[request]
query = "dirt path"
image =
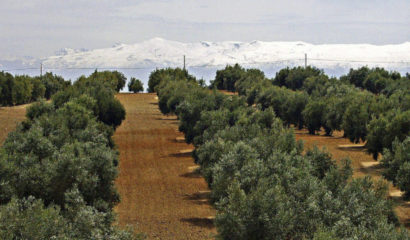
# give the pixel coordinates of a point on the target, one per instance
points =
(362, 163)
(160, 192)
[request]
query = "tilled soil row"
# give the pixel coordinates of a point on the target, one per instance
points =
(161, 193)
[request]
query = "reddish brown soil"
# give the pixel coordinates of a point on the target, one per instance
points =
(161, 195)
(9, 118)
(359, 159)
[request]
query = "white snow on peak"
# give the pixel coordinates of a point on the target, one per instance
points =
(159, 52)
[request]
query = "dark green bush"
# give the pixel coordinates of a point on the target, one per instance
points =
(135, 85)
(396, 162)
(225, 79)
(16, 90)
(295, 78)
(383, 130)
(171, 74)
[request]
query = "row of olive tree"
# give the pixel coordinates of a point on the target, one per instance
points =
(320, 102)
(377, 80)
(262, 185)
(16, 90)
(57, 169)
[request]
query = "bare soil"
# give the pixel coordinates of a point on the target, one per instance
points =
(162, 195)
(9, 118)
(363, 164)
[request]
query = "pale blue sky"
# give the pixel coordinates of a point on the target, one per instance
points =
(40, 27)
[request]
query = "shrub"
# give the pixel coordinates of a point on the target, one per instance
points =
(225, 79)
(313, 116)
(357, 116)
(170, 74)
(114, 79)
(396, 162)
(53, 84)
(135, 85)
(294, 78)
(321, 161)
(58, 151)
(383, 130)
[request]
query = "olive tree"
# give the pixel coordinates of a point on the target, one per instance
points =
(135, 85)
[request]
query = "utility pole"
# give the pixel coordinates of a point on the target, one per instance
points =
(41, 69)
(305, 60)
(184, 62)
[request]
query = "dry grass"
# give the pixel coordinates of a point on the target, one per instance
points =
(161, 190)
(226, 92)
(362, 163)
(9, 118)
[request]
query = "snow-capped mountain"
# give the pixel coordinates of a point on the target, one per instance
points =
(158, 52)
(204, 58)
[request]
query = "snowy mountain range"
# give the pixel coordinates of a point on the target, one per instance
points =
(335, 59)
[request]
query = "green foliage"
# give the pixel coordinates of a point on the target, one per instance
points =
(382, 131)
(16, 90)
(53, 84)
(59, 150)
(21, 91)
(250, 78)
(171, 94)
(357, 116)
(135, 85)
(316, 85)
(334, 111)
(313, 116)
(38, 90)
(321, 161)
(170, 74)
(376, 80)
(236, 78)
(6, 83)
(225, 79)
(57, 169)
(29, 219)
(396, 162)
(295, 78)
(262, 185)
(107, 108)
(39, 108)
(114, 79)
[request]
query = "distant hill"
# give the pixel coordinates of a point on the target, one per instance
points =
(335, 59)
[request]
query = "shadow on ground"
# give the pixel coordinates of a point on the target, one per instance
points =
(201, 222)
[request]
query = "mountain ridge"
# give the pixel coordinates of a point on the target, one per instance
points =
(158, 53)
(161, 52)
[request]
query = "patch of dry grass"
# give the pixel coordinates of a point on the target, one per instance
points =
(9, 118)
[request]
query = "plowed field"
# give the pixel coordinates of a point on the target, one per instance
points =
(161, 194)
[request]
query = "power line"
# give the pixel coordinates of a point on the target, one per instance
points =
(216, 65)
